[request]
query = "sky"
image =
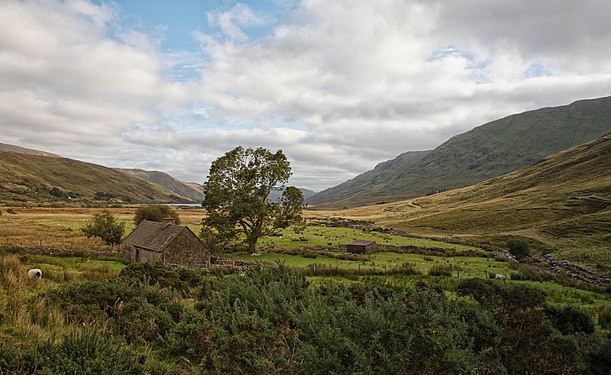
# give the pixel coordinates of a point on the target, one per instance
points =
(338, 85)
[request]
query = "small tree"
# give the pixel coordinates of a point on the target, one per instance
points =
(518, 247)
(237, 192)
(155, 212)
(104, 226)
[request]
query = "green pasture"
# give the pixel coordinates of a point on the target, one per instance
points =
(61, 269)
(69, 269)
(336, 237)
(466, 266)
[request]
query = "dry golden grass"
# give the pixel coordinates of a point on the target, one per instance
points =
(60, 228)
(17, 306)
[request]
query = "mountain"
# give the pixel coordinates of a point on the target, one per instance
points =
(27, 151)
(188, 190)
(276, 194)
(487, 151)
(26, 177)
(372, 184)
(562, 204)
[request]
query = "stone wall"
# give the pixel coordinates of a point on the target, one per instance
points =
(187, 250)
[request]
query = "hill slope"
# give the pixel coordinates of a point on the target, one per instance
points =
(25, 177)
(370, 186)
(27, 151)
(168, 182)
(487, 151)
(562, 203)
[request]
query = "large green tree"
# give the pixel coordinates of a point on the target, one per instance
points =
(236, 196)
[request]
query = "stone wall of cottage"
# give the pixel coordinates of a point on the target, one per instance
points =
(138, 255)
(187, 250)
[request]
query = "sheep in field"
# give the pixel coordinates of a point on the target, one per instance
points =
(498, 276)
(34, 273)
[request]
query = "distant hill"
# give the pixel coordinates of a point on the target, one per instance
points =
(276, 194)
(369, 186)
(27, 151)
(25, 177)
(562, 203)
(485, 152)
(188, 190)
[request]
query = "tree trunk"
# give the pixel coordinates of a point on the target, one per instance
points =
(252, 246)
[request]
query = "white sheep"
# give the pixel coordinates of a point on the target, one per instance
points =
(498, 276)
(34, 273)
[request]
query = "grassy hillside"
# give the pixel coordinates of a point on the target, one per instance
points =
(25, 178)
(561, 204)
(168, 182)
(28, 151)
(485, 152)
(369, 186)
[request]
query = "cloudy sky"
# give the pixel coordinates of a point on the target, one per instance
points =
(338, 85)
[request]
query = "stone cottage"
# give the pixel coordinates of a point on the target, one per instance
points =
(361, 247)
(165, 242)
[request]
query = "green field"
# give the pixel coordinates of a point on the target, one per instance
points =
(467, 266)
(338, 237)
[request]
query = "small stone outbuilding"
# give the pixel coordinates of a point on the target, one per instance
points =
(361, 247)
(154, 242)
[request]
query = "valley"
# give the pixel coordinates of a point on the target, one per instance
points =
(444, 252)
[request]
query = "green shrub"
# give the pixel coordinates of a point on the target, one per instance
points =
(604, 317)
(104, 226)
(181, 280)
(600, 360)
(569, 319)
(84, 352)
(155, 212)
(518, 247)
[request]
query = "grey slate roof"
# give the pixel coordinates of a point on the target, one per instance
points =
(152, 235)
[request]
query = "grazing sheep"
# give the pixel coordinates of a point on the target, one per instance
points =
(498, 276)
(34, 273)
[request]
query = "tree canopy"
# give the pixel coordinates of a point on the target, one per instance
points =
(155, 212)
(104, 226)
(236, 196)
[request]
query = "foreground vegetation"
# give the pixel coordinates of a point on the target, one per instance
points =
(420, 306)
(277, 320)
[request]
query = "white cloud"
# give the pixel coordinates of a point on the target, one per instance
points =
(65, 83)
(232, 22)
(339, 86)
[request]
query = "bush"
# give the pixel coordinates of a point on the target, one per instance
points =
(104, 226)
(179, 279)
(569, 320)
(604, 317)
(155, 212)
(600, 360)
(518, 247)
(85, 352)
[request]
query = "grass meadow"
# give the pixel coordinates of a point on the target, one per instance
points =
(59, 229)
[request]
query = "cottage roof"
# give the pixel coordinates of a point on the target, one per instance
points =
(152, 235)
